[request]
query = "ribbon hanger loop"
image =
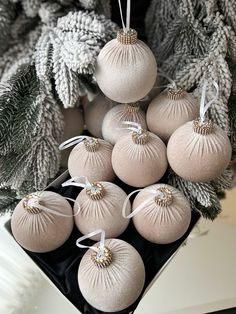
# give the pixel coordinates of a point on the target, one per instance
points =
(81, 181)
(73, 141)
(100, 248)
(126, 27)
(133, 126)
(154, 193)
(204, 107)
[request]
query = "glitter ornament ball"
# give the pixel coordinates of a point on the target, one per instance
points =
(165, 217)
(126, 68)
(74, 125)
(92, 159)
(112, 127)
(139, 158)
(101, 207)
(94, 113)
(115, 283)
(169, 110)
(199, 152)
(38, 230)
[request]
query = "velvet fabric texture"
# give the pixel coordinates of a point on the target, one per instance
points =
(105, 213)
(126, 73)
(112, 127)
(73, 126)
(117, 286)
(96, 166)
(61, 265)
(166, 114)
(139, 165)
(196, 157)
(43, 232)
(94, 113)
(162, 224)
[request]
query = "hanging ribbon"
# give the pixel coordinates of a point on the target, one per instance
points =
(204, 107)
(133, 126)
(163, 74)
(73, 141)
(35, 202)
(81, 182)
(126, 27)
(143, 204)
(100, 248)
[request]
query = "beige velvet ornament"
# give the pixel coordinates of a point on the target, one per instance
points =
(199, 152)
(94, 113)
(91, 158)
(113, 128)
(42, 221)
(113, 281)
(161, 213)
(100, 206)
(126, 68)
(139, 158)
(73, 125)
(169, 110)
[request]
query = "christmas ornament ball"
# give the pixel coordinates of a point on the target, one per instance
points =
(165, 217)
(38, 230)
(139, 158)
(126, 68)
(169, 110)
(116, 286)
(113, 128)
(92, 159)
(101, 207)
(94, 113)
(199, 152)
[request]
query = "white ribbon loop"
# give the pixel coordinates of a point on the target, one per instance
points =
(133, 126)
(81, 182)
(100, 248)
(73, 141)
(126, 27)
(204, 107)
(163, 74)
(35, 202)
(153, 192)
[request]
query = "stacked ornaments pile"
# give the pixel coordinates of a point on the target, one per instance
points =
(130, 145)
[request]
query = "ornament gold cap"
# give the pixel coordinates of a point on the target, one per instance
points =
(96, 192)
(127, 38)
(175, 93)
(132, 107)
(167, 198)
(102, 259)
(91, 144)
(30, 209)
(140, 137)
(203, 128)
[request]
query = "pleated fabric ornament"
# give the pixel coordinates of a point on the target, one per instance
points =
(199, 150)
(91, 157)
(139, 158)
(160, 212)
(74, 125)
(95, 112)
(126, 68)
(42, 221)
(169, 110)
(113, 128)
(111, 274)
(100, 206)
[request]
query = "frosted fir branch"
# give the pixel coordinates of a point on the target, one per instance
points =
(88, 4)
(228, 8)
(223, 182)
(7, 12)
(69, 50)
(31, 7)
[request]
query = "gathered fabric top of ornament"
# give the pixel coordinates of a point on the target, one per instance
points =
(54, 55)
